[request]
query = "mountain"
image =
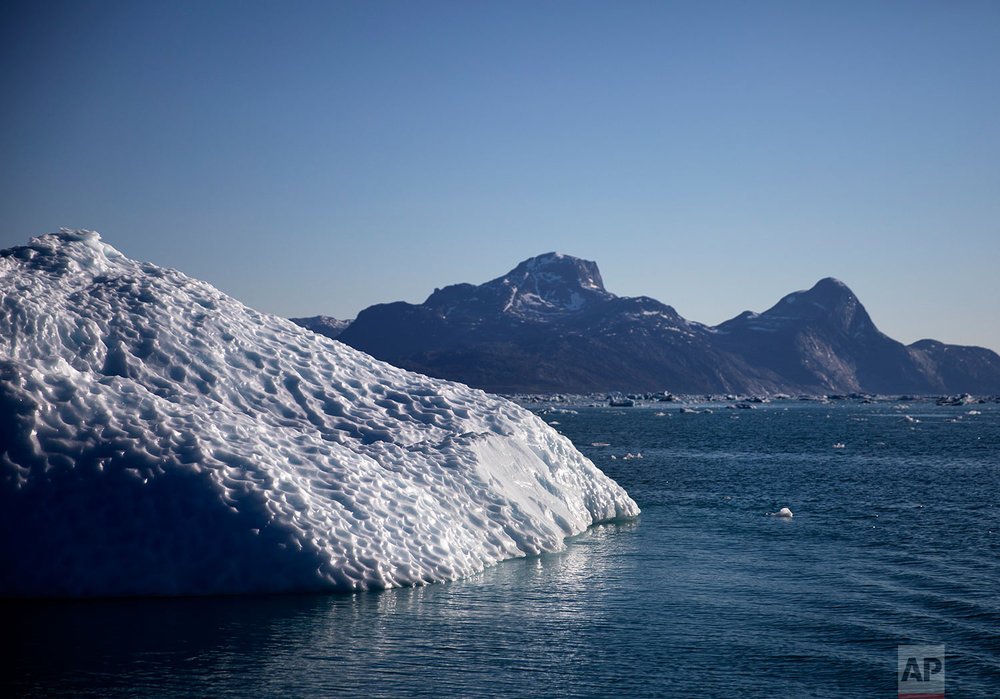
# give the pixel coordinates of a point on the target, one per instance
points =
(823, 340)
(157, 437)
(547, 325)
(324, 325)
(550, 325)
(957, 369)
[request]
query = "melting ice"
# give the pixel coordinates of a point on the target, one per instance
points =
(158, 437)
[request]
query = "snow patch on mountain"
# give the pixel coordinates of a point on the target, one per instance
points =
(158, 437)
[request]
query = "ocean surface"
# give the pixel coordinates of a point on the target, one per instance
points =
(895, 539)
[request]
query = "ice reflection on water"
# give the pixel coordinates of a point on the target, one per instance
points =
(502, 631)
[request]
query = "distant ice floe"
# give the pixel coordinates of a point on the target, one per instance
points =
(158, 437)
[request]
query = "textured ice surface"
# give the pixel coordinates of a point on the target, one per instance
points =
(158, 437)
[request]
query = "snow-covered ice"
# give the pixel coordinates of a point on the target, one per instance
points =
(158, 437)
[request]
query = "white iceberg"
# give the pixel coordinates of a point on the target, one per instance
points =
(158, 437)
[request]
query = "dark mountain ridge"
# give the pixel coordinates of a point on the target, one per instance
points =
(823, 340)
(549, 325)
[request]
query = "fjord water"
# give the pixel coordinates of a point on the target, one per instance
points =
(895, 540)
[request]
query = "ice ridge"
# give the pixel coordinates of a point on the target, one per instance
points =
(158, 437)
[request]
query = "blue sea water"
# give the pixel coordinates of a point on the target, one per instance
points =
(895, 540)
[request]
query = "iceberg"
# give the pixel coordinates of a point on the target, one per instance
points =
(158, 437)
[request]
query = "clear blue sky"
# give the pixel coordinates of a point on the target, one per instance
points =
(320, 157)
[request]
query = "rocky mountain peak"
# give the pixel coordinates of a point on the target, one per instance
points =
(550, 283)
(554, 269)
(829, 301)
